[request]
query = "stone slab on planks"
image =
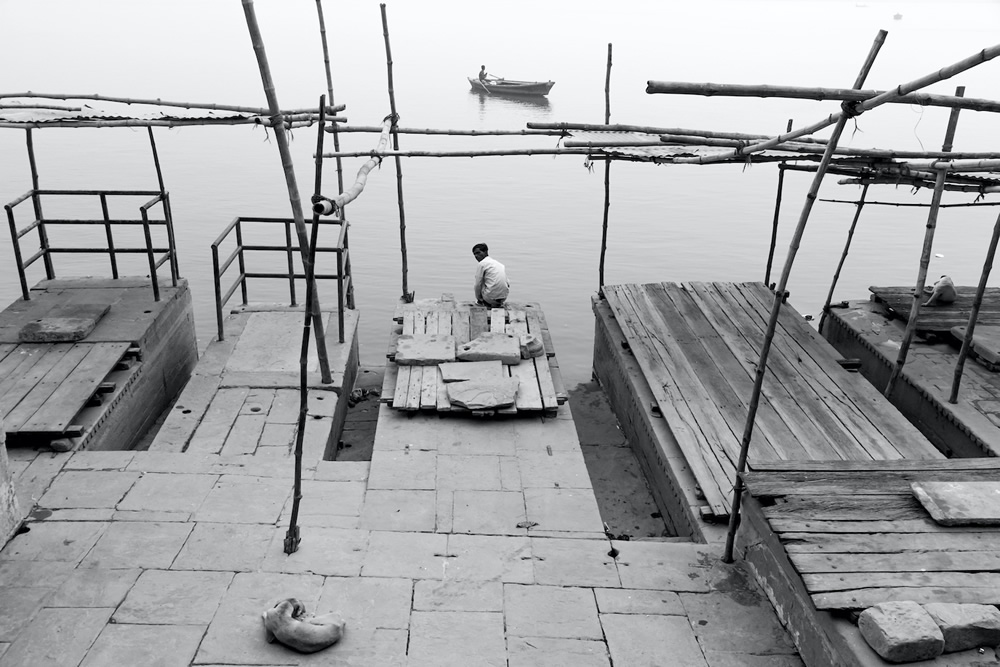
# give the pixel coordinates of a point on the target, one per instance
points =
(486, 395)
(901, 631)
(960, 503)
(490, 346)
(531, 346)
(425, 349)
(985, 344)
(66, 324)
(479, 371)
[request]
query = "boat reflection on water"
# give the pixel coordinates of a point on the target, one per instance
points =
(511, 101)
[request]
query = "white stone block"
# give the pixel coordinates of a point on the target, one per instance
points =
(901, 632)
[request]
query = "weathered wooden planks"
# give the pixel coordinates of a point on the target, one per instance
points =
(939, 319)
(698, 344)
(857, 536)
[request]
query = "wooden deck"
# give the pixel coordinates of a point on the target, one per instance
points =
(422, 387)
(842, 536)
(969, 428)
(243, 397)
(898, 301)
(697, 345)
(64, 393)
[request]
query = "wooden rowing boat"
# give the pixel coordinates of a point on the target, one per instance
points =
(512, 87)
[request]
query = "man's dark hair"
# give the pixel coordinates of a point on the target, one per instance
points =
(481, 246)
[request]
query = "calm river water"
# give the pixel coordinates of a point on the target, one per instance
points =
(540, 215)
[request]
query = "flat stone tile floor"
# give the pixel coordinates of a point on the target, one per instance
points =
(463, 542)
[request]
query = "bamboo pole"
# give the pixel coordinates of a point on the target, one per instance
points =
(974, 315)
(407, 294)
(777, 211)
(293, 189)
(843, 257)
(489, 153)
(856, 108)
(36, 202)
(779, 295)
(164, 122)
(34, 107)
(292, 536)
(646, 129)
(455, 132)
(336, 147)
(165, 103)
(925, 259)
(918, 183)
(796, 92)
(607, 178)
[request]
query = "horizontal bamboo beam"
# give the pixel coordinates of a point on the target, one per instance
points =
(956, 188)
(165, 103)
(418, 130)
(956, 165)
(496, 153)
(791, 147)
(646, 129)
(898, 174)
(47, 107)
(266, 121)
(796, 92)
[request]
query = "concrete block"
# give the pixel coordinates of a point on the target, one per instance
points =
(965, 626)
(67, 324)
(491, 346)
(425, 349)
(901, 631)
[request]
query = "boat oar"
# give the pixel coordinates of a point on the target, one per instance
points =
(484, 87)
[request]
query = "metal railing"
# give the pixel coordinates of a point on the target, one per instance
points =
(156, 256)
(238, 256)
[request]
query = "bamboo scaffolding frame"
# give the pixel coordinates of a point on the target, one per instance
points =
(293, 189)
(796, 92)
(164, 103)
(607, 179)
(857, 108)
(974, 314)
(407, 295)
(779, 295)
(925, 260)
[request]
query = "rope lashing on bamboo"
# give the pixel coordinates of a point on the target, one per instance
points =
(851, 108)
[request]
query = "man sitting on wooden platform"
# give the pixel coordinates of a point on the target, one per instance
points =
(491, 285)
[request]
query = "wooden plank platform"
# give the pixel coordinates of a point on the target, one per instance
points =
(101, 390)
(835, 537)
(968, 428)
(422, 387)
(697, 345)
(939, 319)
(243, 397)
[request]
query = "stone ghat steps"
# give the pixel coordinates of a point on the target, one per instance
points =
(412, 388)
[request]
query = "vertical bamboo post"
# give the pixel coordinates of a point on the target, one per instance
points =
(777, 212)
(974, 315)
(843, 258)
(293, 188)
(925, 255)
(36, 202)
(607, 176)
(779, 295)
(407, 295)
(292, 537)
(336, 147)
(167, 213)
